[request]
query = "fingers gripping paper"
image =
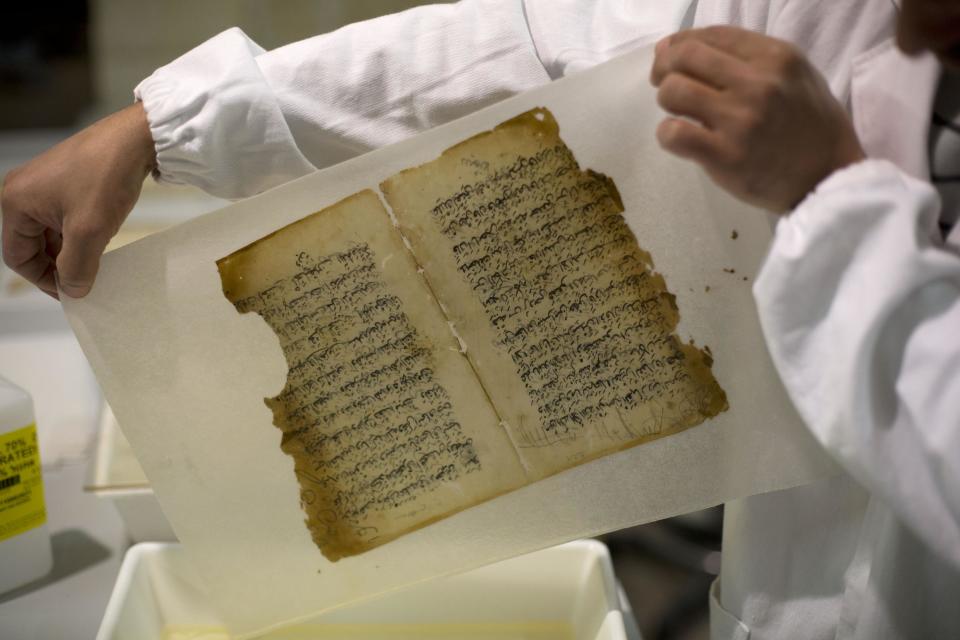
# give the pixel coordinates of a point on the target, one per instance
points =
(510, 350)
(569, 350)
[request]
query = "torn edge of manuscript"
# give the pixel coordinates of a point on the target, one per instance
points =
(502, 327)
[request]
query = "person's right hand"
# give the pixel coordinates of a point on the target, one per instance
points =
(754, 112)
(61, 208)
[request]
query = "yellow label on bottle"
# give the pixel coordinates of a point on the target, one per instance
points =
(21, 483)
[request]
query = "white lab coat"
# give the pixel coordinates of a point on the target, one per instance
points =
(859, 302)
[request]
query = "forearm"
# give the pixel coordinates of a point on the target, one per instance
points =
(861, 311)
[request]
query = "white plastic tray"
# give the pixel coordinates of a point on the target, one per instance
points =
(572, 584)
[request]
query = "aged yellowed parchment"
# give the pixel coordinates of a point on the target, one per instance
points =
(510, 329)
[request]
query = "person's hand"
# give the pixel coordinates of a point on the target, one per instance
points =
(753, 112)
(61, 208)
(933, 25)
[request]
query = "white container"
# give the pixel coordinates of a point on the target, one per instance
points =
(570, 587)
(115, 475)
(25, 553)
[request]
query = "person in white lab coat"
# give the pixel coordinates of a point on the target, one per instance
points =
(859, 297)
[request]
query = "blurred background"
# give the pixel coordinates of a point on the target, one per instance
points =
(64, 65)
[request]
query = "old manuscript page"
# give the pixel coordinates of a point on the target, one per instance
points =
(381, 412)
(570, 329)
(566, 329)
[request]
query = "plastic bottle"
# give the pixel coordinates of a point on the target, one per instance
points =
(25, 552)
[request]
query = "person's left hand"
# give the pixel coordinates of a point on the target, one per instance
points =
(753, 112)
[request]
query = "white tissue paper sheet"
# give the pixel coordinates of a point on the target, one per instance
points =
(186, 374)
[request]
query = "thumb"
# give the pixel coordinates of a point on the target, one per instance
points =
(79, 259)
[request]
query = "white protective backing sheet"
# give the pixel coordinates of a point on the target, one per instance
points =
(186, 374)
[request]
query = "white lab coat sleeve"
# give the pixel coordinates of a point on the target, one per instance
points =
(234, 119)
(572, 35)
(860, 307)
